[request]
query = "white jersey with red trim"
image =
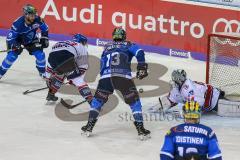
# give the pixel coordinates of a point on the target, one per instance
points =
(206, 95)
(77, 49)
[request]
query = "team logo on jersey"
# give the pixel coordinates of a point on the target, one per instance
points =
(176, 129)
(35, 25)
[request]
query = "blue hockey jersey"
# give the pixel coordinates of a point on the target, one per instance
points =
(24, 34)
(190, 138)
(116, 59)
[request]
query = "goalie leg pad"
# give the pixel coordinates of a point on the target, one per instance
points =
(228, 108)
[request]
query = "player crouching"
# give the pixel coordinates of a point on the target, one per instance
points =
(191, 140)
(182, 88)
(68, 60)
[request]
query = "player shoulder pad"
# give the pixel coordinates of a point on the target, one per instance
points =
(38, 19)
(18, 23)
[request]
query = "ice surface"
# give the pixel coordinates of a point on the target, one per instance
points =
(31, 130)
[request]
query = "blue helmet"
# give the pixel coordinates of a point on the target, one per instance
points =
(80, 38)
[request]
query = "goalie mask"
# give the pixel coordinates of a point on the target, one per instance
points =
(179, 76)
(192, 110)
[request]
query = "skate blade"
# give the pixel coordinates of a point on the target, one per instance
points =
(49, 103)
(86, 134)
(144, 137)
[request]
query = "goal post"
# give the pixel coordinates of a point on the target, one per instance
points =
(223, 62)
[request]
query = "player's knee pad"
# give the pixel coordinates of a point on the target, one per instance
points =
(55, 82)
(131, 97)
(40, 60)
(96, 104)
(102, 95)
(85, 92)
(9, 60)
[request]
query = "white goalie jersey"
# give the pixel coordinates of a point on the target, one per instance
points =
(77, 49)
(206, 95)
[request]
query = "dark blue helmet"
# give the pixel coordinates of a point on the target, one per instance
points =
(119, 34)
(80, 38)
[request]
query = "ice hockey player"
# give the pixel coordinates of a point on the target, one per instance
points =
(191, 140)
(68, 60)
(182, 88)
(23, 34)
(115, 73)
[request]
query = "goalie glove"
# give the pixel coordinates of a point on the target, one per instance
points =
(142, 70)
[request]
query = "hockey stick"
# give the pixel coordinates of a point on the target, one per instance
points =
(166, 111)
(7, 50)
(35, 90)
(160, 102)
(2, 51)
(68, 106)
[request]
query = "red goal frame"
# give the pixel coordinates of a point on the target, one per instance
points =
(209, 49)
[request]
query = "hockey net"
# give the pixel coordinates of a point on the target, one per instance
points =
(223, 63)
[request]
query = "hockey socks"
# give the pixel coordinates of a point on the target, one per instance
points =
(40, 62)
(137, 111)
(7, 62)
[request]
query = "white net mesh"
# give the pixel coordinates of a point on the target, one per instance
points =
(224, 63)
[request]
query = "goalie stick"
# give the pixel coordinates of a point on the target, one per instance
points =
(68, 106)
(167, 110)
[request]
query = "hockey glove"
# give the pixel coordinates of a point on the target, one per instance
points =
(17, 48)
(142, 70)
(44, 42)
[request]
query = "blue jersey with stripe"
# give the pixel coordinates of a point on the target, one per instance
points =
(116, 59)
(23, 33)
(190, 138)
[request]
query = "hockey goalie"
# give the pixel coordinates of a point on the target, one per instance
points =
(209, 98)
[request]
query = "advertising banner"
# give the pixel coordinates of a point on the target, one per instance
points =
(234, 3)
(165, 27)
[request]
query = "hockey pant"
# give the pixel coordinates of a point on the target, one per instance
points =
(55, 81)
(128, 90)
